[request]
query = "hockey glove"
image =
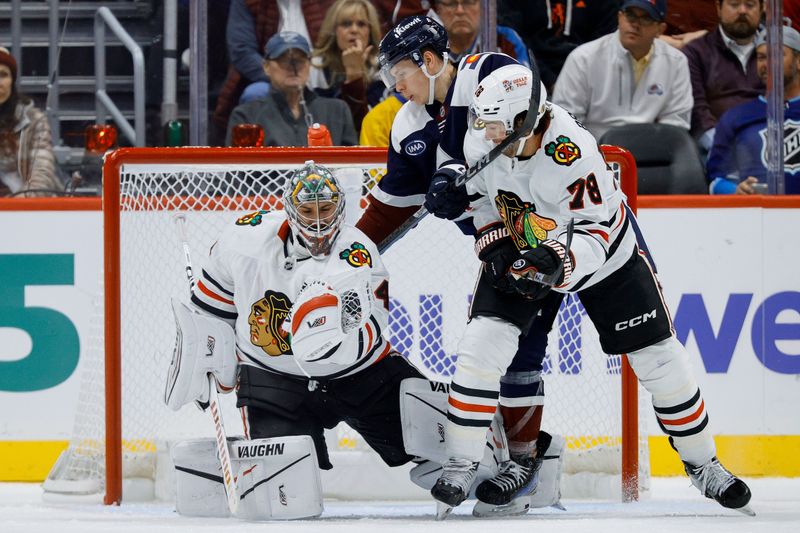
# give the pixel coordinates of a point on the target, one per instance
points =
(445, 199)
(496, 249)
(545, 259)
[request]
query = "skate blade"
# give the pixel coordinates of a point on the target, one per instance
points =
(746, 510)
(442, 511)
(558, 505)
(517, 507)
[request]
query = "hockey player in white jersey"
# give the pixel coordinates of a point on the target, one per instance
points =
(414, 59)
(555, 174)
(307, 298)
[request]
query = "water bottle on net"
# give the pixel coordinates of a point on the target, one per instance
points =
(318, 135)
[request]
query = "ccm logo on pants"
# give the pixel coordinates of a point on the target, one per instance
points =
(635, 321)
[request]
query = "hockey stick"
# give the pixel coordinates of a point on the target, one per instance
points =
(213, 399)
(483, 162)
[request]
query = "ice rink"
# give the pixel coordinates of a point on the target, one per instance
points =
(673, 506)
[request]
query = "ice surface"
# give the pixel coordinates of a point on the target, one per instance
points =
(673, 506)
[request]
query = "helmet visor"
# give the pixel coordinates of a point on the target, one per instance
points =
(491, 130)
(400, 71)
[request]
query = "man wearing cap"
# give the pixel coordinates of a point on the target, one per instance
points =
(290, 107)
(722, 66)
(629, 76)
(738, 159)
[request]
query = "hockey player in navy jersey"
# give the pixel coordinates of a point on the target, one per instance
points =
(554, 176)
(414, 59)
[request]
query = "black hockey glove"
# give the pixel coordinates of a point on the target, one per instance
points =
(445, 199)
(497, 251)
(545, 259)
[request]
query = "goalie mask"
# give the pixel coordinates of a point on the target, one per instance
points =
(499, 98)
(314, 204)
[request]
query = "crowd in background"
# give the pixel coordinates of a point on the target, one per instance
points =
(297, 63)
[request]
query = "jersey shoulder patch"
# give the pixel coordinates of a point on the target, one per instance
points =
(411, 119)
(252, 219)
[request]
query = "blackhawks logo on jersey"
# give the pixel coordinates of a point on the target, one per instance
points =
(357, 255)
(251, 219)
(563, 150)
(520, 219)
(266, 323)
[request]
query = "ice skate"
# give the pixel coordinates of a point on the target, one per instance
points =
(715, 482)
(453, 485)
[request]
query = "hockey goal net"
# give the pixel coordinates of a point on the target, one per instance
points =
(123, 430)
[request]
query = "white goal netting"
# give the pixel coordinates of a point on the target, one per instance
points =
(432, 275)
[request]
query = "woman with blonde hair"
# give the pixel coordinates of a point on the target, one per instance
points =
(345, 57)
(27, 164)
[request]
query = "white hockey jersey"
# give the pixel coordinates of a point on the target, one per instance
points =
(567, 178)
(253, 275)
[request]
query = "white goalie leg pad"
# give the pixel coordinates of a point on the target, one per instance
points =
(423, 411)
(199, 489)
(548, 492)
(203, 345)
(664, 370)
(278, 478)
(484, 352)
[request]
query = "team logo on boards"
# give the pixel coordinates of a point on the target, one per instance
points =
(791, 146)
(563, 150)
(251, 219)
(526, 228)
(266, 323)
(356, 256)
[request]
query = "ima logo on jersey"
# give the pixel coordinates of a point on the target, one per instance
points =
(266, 323)
(357, 255)
(251, 219)
(563, 150)
(523, 224)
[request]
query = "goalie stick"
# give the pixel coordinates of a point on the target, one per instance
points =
(213, 398)
(483, 162)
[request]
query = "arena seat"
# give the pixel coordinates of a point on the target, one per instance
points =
(667, 158)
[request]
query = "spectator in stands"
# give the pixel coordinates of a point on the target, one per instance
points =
(629, 76)
(377, 126)
(345, 58)
(250, 24)
(738, 158)
(554, 28)
(393, 11)
(688, 20)
(462, 20)
(290, 107)
(723, 66)
(27, 164)
(791, 13)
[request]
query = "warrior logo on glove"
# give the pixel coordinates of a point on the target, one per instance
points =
(526, 227)
(266, 323)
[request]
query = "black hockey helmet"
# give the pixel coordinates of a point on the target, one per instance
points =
(406, 41)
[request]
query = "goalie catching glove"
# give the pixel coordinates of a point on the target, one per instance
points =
(203, 345)
(545, 259)
(326, 316)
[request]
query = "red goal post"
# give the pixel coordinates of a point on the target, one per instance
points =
(114, 201)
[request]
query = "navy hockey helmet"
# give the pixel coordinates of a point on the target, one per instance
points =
(406, 41)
